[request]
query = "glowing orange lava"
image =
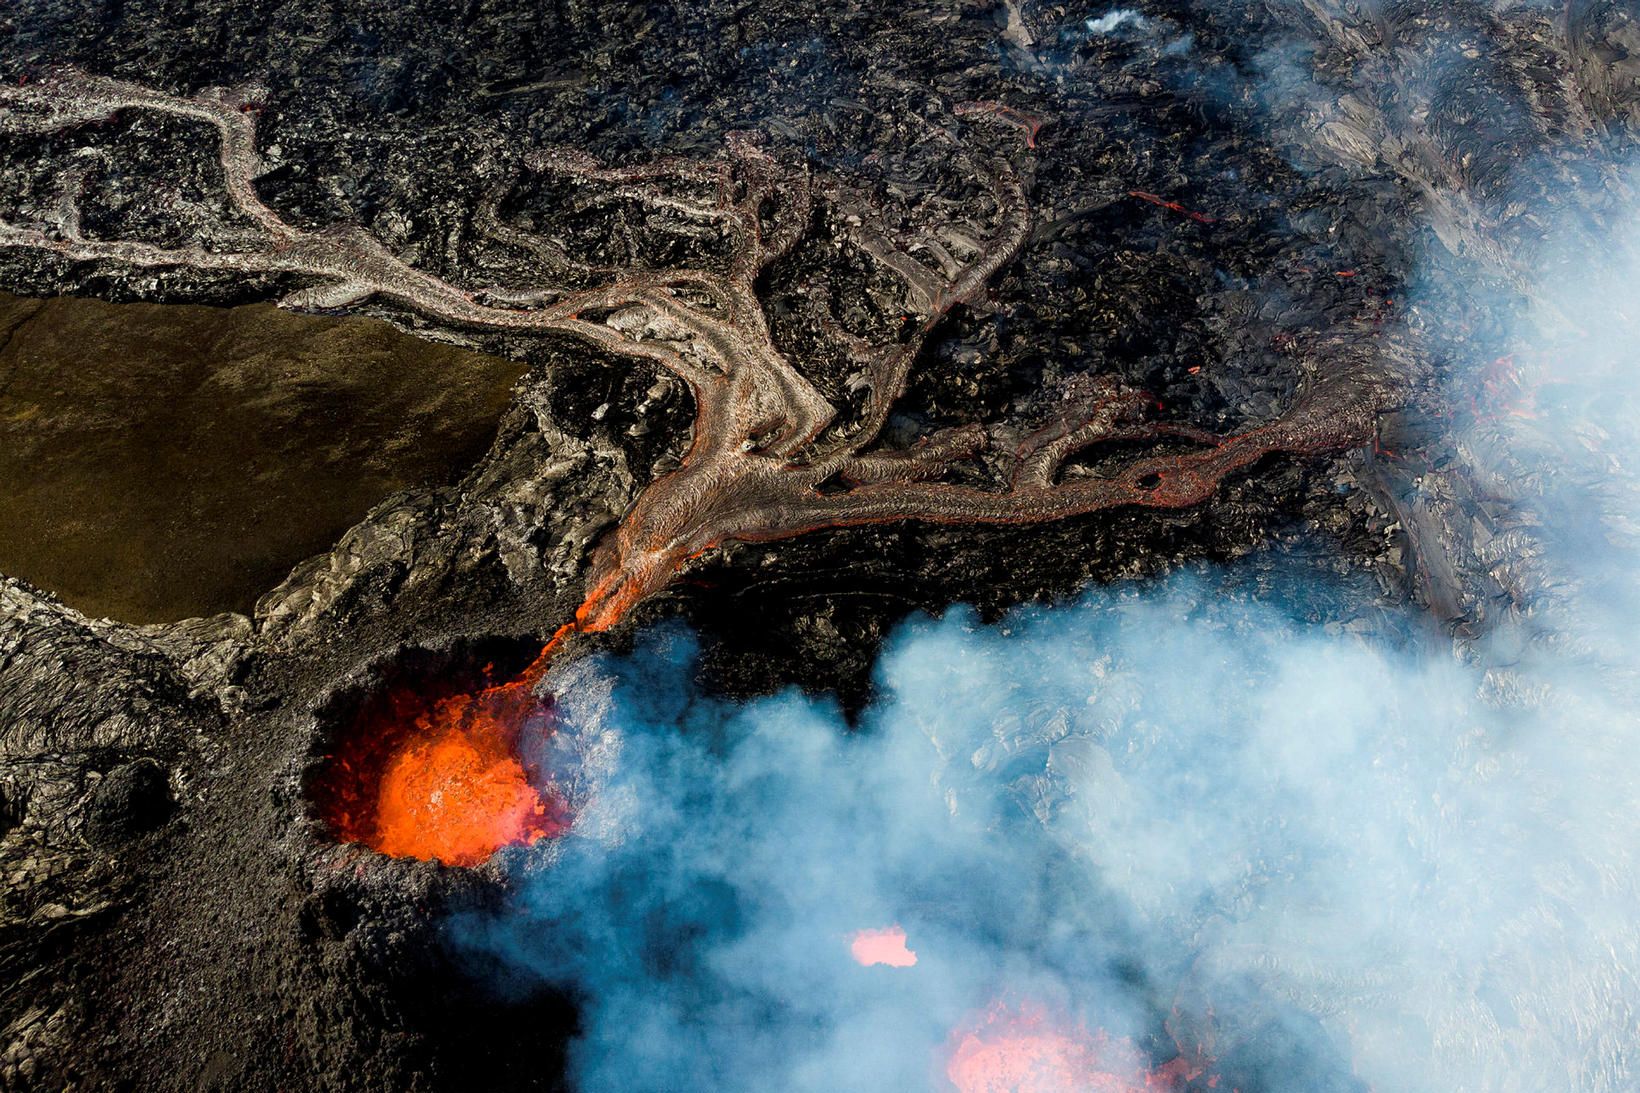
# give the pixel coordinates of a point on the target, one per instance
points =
(1024, 1050)
(436, 775)
(456, 791)
(458, 798)
(431, 769)
(885, 946)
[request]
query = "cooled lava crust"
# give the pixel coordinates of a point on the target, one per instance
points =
(205, 931)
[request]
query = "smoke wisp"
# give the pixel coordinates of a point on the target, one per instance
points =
(1369, 865)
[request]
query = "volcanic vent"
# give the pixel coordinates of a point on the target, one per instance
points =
(425, 757)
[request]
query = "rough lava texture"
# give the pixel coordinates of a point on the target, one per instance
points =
(1231, 199)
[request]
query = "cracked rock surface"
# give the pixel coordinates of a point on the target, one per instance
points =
(170, 917)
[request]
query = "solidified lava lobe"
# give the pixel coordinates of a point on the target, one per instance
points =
(428, 765)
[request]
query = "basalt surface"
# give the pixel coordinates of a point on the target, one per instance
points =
(1230, 199)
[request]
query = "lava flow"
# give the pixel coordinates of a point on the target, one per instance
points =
(1025, 1050)
(460, 793)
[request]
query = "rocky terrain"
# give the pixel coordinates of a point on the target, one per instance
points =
(1231, 203)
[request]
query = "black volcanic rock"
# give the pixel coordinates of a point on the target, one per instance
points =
(181, 922)
(130, 800)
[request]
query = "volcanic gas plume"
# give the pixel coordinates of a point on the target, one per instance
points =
(1181, 806)
(1023, 1049)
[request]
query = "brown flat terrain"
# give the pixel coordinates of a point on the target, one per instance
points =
(161, 461)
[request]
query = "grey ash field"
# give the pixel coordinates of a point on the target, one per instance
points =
(788, 321)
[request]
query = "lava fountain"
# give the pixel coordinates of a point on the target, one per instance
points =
(429, 766)
(1024, 1049)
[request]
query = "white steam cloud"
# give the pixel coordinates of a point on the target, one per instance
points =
(1359, 860)
(1115, 19)
(1148, 799)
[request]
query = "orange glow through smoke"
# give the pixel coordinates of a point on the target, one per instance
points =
(1024, 1050)
(885, 946)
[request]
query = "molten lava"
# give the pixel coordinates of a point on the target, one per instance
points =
(1174, 206)
(457, 792)
(432, 769)
(885, 946)
(459, 796)
(1024, 1050)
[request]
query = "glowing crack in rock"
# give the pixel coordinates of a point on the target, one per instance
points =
(885, 946)
(1024, 1050)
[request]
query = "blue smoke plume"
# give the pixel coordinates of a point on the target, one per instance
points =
(1147, 798)
(1303, 835)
